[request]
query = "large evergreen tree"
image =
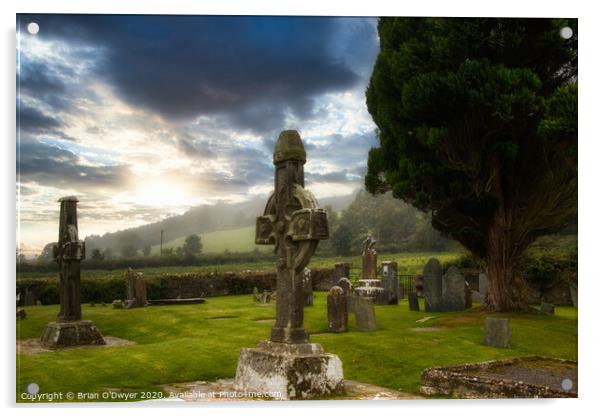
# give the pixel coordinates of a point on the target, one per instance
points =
(477, 122)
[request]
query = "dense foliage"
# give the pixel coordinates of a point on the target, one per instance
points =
(477, 122)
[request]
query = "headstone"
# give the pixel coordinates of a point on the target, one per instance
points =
(419, 285)
(340, 270)
(390, 281)
(140, 290)
(413, 302)
(476, 296)
(574, 292)
(308, 294)
(117, 304)
(547, 308)
(70, 329)
(30, 299)
(369, 258)
(256, 295)
(497, 333)
(347, 287)
(365, 316)
(130, 284)
(337, 310)
(288, 364)
(483, 284)
(38, 303)
(432, 285)
(21, 314)
(468, 296)
(453, 291)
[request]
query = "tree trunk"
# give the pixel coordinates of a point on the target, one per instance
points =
(507, 288)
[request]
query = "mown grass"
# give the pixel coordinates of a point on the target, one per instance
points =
(186, 343)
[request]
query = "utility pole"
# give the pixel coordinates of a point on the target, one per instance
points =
(161, 245)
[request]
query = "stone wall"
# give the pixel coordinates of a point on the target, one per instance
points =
(167, 286)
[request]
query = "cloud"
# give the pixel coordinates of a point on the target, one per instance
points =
(52, 165)
(253, 69)
(32, 120)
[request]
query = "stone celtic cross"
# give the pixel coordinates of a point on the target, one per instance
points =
(294, 224)
(68, 253)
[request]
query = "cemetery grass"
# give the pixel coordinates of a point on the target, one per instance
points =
(202, 342)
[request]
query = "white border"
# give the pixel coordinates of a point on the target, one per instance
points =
(589, 212)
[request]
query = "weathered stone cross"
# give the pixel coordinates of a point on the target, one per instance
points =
(68, 253)
(292, 222)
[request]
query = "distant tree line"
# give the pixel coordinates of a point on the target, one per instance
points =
(396, 225)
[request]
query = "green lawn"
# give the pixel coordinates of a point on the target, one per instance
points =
(187, 343)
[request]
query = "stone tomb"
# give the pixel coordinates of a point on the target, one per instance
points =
(369, 285)
(70, 330)
(337, 310)
(288, 363)
(523, 377)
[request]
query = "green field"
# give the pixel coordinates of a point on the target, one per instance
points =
(202, 342)
(239, 240)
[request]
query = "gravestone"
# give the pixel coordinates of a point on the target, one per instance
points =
(347, 287)
(432, 285)
(337, 310)
(340, 270)
(69, 329)
(468, 296)
(369, 258)
(365, 316)
(453, 291)
(256, 295)
(141, 299)
(130, 284)
(308, 294)
(574, 293)
(497, 332)
(483, 284)
(288, 364)
(547, 308)
(118, 304)
(413, 301)
(390, 281)
(21, 314)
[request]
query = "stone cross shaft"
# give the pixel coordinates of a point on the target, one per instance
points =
(68, 253)
(294, 224)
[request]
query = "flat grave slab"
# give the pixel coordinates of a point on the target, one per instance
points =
(524, 377)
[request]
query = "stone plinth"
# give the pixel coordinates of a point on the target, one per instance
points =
(71, 334)
(295, 371)
(372, 288)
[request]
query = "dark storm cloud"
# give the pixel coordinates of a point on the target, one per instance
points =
(54, 166)
(252, 69)
(32, 120)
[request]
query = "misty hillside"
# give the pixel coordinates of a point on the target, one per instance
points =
(201, 219)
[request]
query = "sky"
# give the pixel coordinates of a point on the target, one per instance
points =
(143, 117)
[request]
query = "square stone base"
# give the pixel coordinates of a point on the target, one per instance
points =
(293, 371)
(71, 334)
